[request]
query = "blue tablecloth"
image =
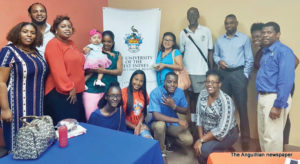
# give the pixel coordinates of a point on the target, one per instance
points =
(100, 145)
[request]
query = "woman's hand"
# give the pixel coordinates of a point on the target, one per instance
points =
(100, 70)
(6, 115)
(159, 66)
(110, 53)
(197, 147)
(72, 96)
(137, 129)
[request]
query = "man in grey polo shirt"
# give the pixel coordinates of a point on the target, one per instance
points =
(194, 62)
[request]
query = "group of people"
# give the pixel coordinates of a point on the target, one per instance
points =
(213, 95)
(42, 72)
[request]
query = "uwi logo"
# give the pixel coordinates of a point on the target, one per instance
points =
(133, 40)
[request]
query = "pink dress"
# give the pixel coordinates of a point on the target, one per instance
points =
(96, 58)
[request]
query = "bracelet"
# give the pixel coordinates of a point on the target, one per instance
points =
(174, 108)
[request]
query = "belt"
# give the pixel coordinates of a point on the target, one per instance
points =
(265, 93)
(233, 69)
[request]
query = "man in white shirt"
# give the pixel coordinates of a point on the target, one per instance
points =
(194, 62)
(38, 15)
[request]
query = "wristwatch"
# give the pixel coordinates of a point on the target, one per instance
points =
(201, 140)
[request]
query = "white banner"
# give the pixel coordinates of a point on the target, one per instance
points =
(136, 37)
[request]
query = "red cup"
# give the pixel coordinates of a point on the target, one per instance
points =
(63, 136)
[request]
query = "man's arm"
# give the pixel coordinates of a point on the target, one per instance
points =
(210, 59)
(210, 50)
(248, 58)
(161, 117)
(296, 61)
(286, 77)
(182, 42)
(216, 55)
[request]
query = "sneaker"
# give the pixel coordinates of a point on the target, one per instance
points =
(170, 147)
(165, 158)
(99, 82)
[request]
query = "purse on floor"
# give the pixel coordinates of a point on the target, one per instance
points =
(34, 137)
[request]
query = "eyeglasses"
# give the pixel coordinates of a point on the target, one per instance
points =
(211, 82)
(115, 97)
(166, 40)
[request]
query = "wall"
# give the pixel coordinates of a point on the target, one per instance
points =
(84, 16)
(212, 14)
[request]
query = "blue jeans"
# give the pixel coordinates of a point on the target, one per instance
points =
(218, 146)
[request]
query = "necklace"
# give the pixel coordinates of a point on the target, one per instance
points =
(165, 53)
(28, 51)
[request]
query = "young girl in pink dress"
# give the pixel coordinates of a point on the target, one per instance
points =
(95, 58)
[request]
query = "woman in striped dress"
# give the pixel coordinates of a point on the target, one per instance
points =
(22, 75)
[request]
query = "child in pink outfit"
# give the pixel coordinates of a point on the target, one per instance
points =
(95, 58)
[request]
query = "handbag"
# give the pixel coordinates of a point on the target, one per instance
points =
(184, 81)
(34, 138)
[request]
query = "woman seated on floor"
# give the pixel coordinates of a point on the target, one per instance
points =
(217, 127)
(135, 101)
(109, 113)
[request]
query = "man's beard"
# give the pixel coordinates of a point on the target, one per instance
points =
(39, 23)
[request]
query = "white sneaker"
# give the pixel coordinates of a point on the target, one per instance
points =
(99, 82)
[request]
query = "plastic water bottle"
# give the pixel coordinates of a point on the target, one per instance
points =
(63, 136)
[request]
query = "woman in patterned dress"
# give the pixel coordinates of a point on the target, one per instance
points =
(22, 75)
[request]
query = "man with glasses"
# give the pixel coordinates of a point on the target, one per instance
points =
(233, 54)
(165, 102)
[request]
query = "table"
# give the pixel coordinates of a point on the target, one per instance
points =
(100, 145)
(251, 157)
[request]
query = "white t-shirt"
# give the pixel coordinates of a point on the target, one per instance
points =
(48, 35)
(192, 59)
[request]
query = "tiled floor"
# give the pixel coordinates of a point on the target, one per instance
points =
(180, 156)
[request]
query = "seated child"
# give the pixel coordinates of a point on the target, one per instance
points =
(135, 101)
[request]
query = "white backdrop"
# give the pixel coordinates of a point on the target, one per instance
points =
(136, 37)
